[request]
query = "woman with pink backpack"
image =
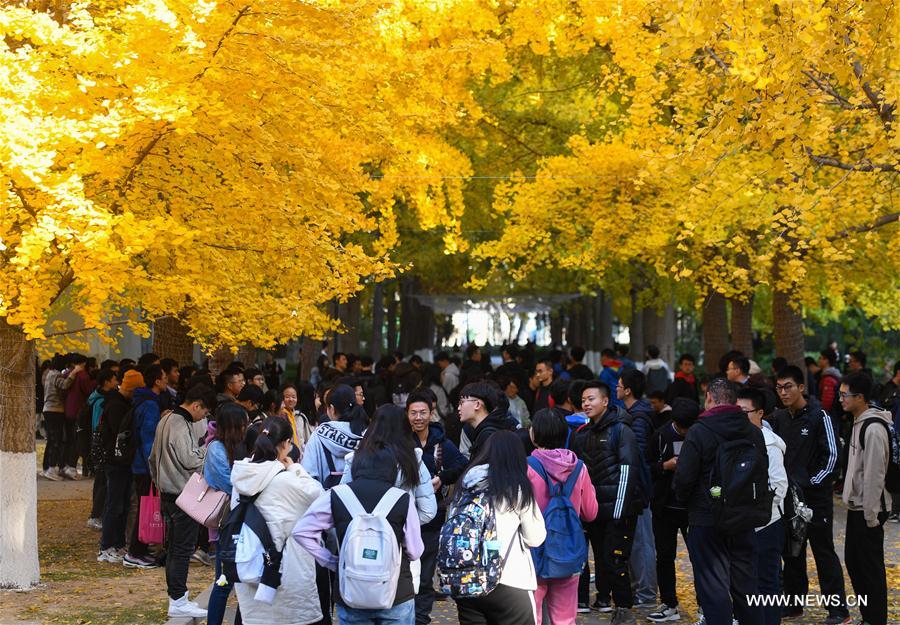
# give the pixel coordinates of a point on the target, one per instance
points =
(566, 497)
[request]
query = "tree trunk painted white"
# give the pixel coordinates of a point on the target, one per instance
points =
(19, 567)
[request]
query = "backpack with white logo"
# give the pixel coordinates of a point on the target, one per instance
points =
(892, 476)
(369, 565)
(469, 547)
(564, 551)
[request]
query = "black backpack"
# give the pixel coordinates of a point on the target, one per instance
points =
(245, 524)
(126, 445)
(892, 477)
(739, 486)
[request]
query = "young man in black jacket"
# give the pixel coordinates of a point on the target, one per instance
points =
(811, 462)
(669, 516)
(725, 566)
(609, 450)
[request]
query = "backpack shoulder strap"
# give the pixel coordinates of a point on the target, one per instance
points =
(349, 499)
(535, 464)
(572, 480)
(388, 501)
(865, 425)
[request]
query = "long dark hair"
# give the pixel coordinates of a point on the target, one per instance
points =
(343, 399)
(271, 402)
(306, 401)
(508, 485)
(390, 431)
(274, 432)
(231, 425)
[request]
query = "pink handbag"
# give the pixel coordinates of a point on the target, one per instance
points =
(151, 526)
(201, 502)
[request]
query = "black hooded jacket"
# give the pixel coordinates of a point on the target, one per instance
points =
(698, 453)
(609, 450)
(497, 419)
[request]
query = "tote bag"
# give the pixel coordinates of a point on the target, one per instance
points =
(151, 527)
(203, 503)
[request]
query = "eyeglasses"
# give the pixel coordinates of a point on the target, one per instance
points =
(752, 411)
(844, 395)
(468, 399)
(784, 387)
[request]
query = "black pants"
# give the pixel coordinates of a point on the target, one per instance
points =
(504, 605)
(425, 598)
(61, 450)
(769, 547)
(323, 587)
(83, 443)
(181, 533)
(828, 567)
(135, 547)
(98, 497)
(666, 524)
(611, 543)
(864, 555)
(725, 574)
(118, 502)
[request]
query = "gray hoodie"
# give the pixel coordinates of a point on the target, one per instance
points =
(866, 469)
(334, 438)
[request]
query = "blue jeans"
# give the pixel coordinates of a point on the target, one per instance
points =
(218, 598)
(402, 614)
(643, 560)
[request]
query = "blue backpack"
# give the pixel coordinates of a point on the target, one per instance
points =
(564, 551)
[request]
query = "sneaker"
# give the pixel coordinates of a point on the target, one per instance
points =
(837, 619)
(894, 518)
(701, 620)
(202, 557)
(604, 607)
(109, 555)
(94, 524)
(664, 613)
(52, 474)
(184, 608)
(134, 562)
(623, 616)
(583, 608)
(71, 473)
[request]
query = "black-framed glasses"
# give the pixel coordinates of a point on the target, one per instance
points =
(784, 387)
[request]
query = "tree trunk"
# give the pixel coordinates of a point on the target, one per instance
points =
(19, 566)
(651, 321)
(349, 312)
(665, 335)
(377, 346)
(556, 327)
(636, 342)
(742, 326)
(715, 332)
(789, 340)
(219, 360)
(391, 317)
(309, 353)
(247, 355)
(171, 340)
(602, 322)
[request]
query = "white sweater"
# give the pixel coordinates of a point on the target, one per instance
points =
(524, 526)
(778, 480)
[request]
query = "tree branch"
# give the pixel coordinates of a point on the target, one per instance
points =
(65, 332)
(882, 221)
(715, 57)
(221, 42)
(861, 165)
(885, 109)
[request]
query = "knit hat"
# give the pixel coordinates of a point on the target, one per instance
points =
(130, 381)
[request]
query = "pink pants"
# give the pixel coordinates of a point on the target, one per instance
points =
(561, 596)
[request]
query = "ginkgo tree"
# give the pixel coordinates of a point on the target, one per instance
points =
(753, 143)
(210, 161)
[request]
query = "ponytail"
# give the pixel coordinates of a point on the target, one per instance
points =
(273, 432)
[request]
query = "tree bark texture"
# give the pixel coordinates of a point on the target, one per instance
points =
(789, 339)
(636, 343)
(742, 326)
(390, 291)
(171, 340)
(715, 332)
(416, 320)
(19, 566)
(602, 322)
(376, 345)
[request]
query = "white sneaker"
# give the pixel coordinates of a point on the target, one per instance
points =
(71, 473)
(664, 613)
(109, 555)
(183, 607)
(94, 524)
(52, 474)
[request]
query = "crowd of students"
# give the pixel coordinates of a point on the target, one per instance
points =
(373, 477)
